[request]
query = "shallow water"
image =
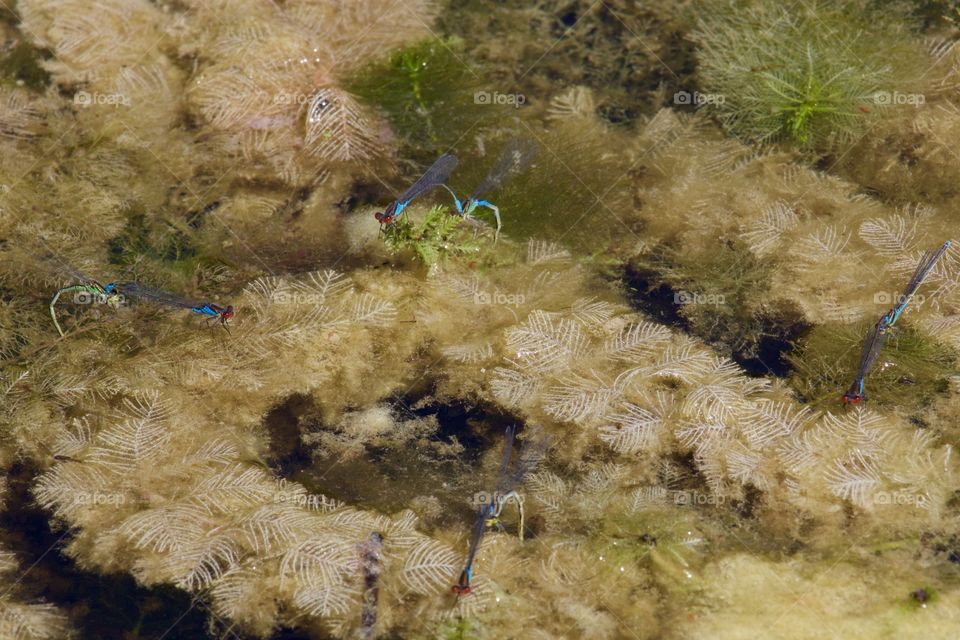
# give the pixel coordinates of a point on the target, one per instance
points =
(677, 300)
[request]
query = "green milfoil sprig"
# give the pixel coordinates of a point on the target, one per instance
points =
(812, 75)
(436, 237)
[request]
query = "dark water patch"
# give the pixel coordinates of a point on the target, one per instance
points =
(722, 298)
(101, 606)
(362, 194)
(104, 607)
(650, 295)
(433, 457)
(288, 455)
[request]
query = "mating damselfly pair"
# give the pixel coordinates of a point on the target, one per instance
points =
(87, 290)
(880, 331)
(509, 476)
(515, 158)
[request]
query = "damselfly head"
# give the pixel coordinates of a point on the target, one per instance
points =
(460, 590)
(383, 218)
(227, 313)
(852, 398)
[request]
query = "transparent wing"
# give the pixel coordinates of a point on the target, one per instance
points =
(927, 261)
(437, 174)
(515, 158)
(143, 292)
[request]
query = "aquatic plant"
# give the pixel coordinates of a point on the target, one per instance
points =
(436, 236)
(429, 93)
(811, 74)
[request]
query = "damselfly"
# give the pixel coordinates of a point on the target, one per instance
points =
(436, 175)
(86, 290)
(874, 340)
(516, 156)
(509, 478)
(209, 310)
(871, 351)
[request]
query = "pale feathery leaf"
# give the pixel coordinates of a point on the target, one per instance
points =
(469, 353)
(542, 252)
(575, 102)
(766, 422)
(338, 129)
(69, 488)
(514, 388)
(319, 563)
(368, 309)
(745, 465)
(579, 399)
(429, 567)
(722, 391)
(603, 479)
(544, 343)
(273, 525)
(135, 441)
(74, 439)
(234, 487)
(637, 340)
(854, 478)
(32, 621)
(322, 285)
(686, 362)
(200, 562)
(777, 219)
(593, 312)
(549, 489)
(824, 244)
(892, 236)
(167, 529)
(699, 435)
(633, 430)
(649, 498)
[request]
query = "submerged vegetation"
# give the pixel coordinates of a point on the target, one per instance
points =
(674, 304)
(812, 75)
